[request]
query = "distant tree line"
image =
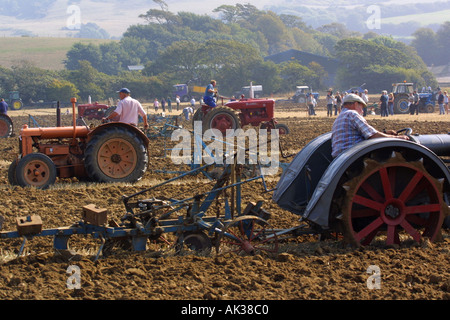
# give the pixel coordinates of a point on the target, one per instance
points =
(176, 48)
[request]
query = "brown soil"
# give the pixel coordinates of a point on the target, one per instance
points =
(304, 269)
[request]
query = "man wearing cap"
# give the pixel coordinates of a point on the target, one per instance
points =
(350, 127)
(210, 92)
(128, 109)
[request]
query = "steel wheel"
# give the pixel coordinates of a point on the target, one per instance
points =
(36, 170)
(248, 235)
(395, 197)
(196, 241)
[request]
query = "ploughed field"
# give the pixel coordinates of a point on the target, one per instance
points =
(305, 267)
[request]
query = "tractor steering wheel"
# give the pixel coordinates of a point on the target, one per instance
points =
(407, 131)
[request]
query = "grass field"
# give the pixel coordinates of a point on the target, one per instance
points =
(45, 53)
(438, 17)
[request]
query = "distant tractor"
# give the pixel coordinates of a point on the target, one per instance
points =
(239, 113)
(402, 93)
(301, 94)
(111, 152)
(187, 92)
(14, 101)
(94, 110)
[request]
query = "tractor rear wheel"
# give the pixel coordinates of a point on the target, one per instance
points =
(397, 198)
(221, 118)
(16, 105)
(116, 155)
(401, 105)
(12, 173)
(36, 170)
(6, 126)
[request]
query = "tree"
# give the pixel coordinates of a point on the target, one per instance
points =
(424, 39)
(61, 90)
(79, 51)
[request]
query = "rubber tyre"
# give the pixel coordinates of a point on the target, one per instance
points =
(12, 173)
(221, 118)
(116, 155)
(6, 126)
(401, 106)
(16, 105)
(284, 129)
(36, 170)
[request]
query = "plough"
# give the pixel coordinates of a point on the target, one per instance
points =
(157, 220)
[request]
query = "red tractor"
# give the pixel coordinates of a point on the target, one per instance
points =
(239, 113)
(93, 110)
(111, 152)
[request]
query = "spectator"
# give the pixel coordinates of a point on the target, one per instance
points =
(391, 104)
(415, 104)
(188, 111)
(311, 101)
(365, 97)
(337, 105)
(156, 105)
(192, 103)
(177, 100)
(169, 104)
(446, 102)
(384, 103)
(330, 103)
(441, 102)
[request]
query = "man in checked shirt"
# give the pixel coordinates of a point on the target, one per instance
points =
(350, 127)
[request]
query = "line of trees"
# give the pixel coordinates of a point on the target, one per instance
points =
(175, 48)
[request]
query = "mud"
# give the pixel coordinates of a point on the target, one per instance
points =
(305, 267)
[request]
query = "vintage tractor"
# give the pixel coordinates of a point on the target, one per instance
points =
(395, 188)
(301, 94)
(14, 101)
(111, 152)
(6, 126)
(402, 93)
(239, 113)
(94, 110)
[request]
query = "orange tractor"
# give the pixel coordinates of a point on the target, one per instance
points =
(111, 152)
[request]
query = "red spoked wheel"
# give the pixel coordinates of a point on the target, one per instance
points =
(249, 235)
(398, 199)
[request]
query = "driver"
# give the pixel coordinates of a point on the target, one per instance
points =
(350, 127)
(210, 92)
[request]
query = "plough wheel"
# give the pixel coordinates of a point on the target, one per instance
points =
(248, 235)
(196, 241)
(397, 198)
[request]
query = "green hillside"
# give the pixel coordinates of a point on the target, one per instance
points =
(45, 53)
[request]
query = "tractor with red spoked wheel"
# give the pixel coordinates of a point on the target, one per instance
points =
(6, 126)
(111, 152)
(239, 113)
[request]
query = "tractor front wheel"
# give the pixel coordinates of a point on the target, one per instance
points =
(35, 170)
(116, 155)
